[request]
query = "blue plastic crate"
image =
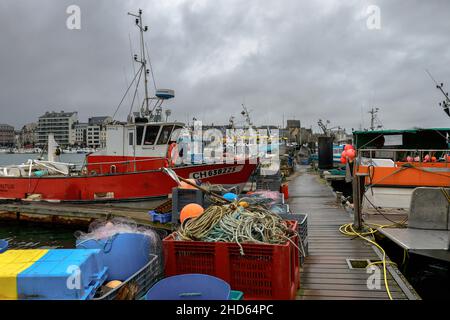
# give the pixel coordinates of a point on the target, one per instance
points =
(63, 274)
(123, 253)
(160, 217)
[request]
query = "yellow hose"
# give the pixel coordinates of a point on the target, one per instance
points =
(348, 230)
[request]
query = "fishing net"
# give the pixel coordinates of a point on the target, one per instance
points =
(104, 229)
(263, 198)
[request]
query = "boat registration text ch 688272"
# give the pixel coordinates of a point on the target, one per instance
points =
(215, 172)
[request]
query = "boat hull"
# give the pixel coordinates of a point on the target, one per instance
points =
(414, 175)
(119, 186)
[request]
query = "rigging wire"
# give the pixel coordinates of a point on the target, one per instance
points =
(126, 92)
(150, 65)
(136, 90)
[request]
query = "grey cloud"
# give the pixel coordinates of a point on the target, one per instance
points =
(302, 59)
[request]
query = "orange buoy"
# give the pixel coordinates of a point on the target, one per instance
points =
(349, 147)
(191, 210)
(244, 204)
(351, 153)
(113, 284)
(184, 185)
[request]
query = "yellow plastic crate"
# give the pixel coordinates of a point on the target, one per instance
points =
(13, 262)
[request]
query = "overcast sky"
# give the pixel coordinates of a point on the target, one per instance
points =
(283, 58)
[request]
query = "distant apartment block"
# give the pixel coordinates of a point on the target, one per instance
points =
(61, 124)
(81, 134)
(96, 131)
(7, 135)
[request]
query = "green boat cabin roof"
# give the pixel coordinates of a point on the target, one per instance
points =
(430, 138)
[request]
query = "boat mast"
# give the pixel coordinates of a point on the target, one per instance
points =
(245, 113)
(445, 104)
(373, 118)
(142, 60)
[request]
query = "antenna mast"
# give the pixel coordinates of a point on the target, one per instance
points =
(373, 118)
(246, 114)
(445, 104)
(142, 60)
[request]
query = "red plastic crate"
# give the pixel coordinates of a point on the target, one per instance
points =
(265, 271)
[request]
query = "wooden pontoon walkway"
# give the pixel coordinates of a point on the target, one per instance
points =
(75, 214)
(326, 273)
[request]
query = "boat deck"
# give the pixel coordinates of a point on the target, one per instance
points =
(326, 273)
(426, 242)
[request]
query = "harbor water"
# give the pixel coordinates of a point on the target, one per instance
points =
(26, 235)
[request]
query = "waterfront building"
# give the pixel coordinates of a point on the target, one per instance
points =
(61, 124)
(81, 134)
(96, 131)
(7, 135)
(28, 135)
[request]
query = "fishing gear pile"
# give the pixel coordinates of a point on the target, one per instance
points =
(238, 223)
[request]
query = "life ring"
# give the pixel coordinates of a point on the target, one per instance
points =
(172, 154)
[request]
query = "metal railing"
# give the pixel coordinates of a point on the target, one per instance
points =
(394, 154)
(133, 162)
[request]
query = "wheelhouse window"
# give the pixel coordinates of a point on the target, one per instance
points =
(130, 138)
(139, 134)
(151, 133)
(165, 134)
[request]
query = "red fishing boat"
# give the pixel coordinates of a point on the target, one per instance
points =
(129, 168)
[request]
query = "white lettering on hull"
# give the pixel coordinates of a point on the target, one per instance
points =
(215, 172)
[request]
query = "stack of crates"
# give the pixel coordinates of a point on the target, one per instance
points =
(51, 274)
(265, 271)
(269, 182)
(182, 197)
(302, 229)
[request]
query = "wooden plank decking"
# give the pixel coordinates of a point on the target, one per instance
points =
(326, 274)
(76, 214)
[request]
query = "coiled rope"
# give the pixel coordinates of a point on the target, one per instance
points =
(234, 223)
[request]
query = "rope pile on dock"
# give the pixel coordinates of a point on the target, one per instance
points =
(235, 223)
